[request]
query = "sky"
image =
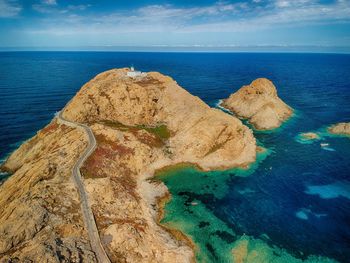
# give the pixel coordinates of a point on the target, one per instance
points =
(199, 24)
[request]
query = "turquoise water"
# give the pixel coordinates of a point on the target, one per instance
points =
(294, 203)
(283, 203)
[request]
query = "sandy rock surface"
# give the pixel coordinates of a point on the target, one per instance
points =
(342, 128)
(141, 124)
(40, 218)
(260, 104)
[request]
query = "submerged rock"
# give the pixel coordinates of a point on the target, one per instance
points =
(342, 128)
(140, 124)
(251, 250)
(259, 103)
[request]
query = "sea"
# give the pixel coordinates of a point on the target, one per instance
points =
(293, 204)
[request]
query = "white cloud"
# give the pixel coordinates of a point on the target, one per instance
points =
(49, 2)
(283, 3)
(167, 11)
(9, 9)
(219, 17)
(51, 7)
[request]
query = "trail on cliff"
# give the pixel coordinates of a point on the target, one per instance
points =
(88, 216)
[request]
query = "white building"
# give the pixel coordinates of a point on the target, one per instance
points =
(135, 73)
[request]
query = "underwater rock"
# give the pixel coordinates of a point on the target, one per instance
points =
(250, 250)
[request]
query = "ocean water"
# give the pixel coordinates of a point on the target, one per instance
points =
(293, 203)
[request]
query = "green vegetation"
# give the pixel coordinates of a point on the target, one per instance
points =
(117, 125)
(160, 131)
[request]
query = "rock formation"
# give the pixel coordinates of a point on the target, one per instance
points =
(310, 136)
(141, 124)
(40, 217)
(259, 103)
(342, 128)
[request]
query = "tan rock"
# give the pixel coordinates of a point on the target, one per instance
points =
(342, 128)
(140, 124)
(40, 216)
(259, 103)
(310, 136)
(198, 133)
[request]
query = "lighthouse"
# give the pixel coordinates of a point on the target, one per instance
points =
(135, 73)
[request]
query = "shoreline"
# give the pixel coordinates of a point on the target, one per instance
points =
(174, 233)
(246, 122)
(180, 236)
(162, 200)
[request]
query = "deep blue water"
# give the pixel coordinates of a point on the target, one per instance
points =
(299, 196)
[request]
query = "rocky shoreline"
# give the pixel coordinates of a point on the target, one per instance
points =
(141, 124)
(259, 103)
(342, 128)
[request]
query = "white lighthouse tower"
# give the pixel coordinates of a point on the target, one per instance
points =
(135, 73)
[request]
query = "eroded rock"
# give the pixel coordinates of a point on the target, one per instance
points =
(259, 103)
(140, 124)
(342, 128)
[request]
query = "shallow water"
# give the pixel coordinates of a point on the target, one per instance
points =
(298, 197)
(293, 203)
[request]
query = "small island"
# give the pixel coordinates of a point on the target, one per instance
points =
(342, 128)
(259, 103)
(310, 136)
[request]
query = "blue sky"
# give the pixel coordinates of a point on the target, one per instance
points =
(192, 23)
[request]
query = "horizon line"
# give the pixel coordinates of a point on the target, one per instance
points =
(188, 48)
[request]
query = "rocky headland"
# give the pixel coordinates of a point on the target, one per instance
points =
(141, 124)
(259, 103)
(342, 128)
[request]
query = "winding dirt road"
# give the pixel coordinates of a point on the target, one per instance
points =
(88, 216)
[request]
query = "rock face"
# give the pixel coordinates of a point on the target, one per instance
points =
(197, 133)
(141, 124)
(342, 128)
(40, 218)
(259, 103)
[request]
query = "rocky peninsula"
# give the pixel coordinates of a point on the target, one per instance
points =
(141, 124)
(259, 103)
(342, 128)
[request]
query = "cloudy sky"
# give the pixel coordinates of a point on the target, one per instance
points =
(196, 23)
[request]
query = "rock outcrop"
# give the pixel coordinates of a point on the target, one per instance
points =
(310, 136)
(196, 132)
(342, 128)
(259, 103)
(141, 124)
(40, 217)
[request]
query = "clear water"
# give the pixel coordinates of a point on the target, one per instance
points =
(295, 200)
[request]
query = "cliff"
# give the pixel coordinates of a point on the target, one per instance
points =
(260, 104)
(141, 124)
